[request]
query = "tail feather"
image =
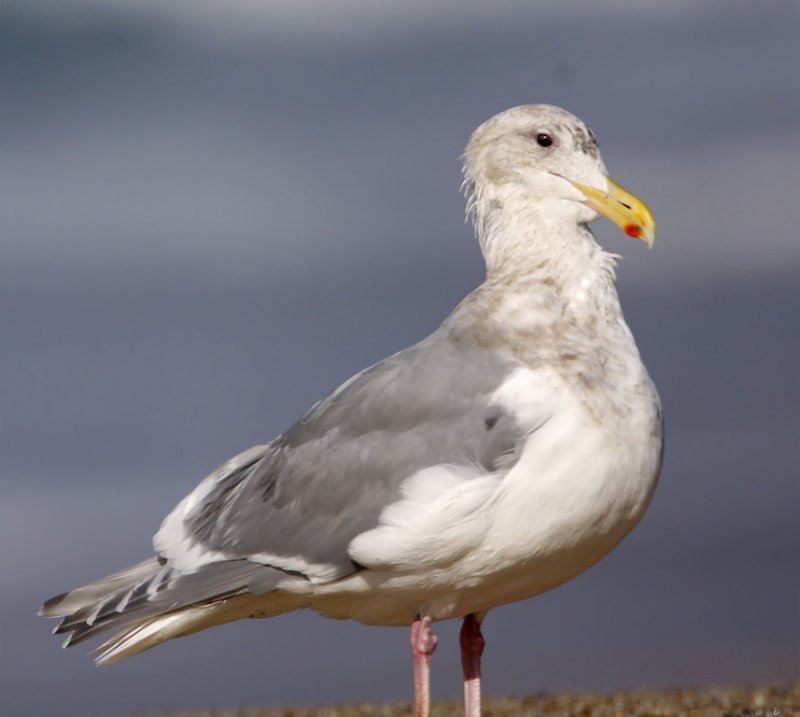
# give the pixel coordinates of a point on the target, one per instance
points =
(70, 602)
(116, 609)
(148, 633)
(150, 602)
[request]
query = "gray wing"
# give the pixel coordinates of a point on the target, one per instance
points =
(292, 507)
(296, 503)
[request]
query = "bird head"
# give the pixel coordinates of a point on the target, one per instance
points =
(549, 156)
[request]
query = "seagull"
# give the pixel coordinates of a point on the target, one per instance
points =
(492, 461)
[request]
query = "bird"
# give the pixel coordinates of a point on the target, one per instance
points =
(492, 461)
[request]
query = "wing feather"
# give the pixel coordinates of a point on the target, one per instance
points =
(297, 503)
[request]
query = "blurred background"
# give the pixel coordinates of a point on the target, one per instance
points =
(213, 213)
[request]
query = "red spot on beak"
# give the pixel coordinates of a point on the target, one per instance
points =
(633, 231)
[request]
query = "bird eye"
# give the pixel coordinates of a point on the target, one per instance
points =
(543, 139)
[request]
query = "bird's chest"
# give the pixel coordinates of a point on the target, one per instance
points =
(583, 480)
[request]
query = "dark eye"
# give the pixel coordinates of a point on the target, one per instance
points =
(543, 139)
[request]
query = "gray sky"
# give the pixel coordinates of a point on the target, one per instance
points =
(211, 219)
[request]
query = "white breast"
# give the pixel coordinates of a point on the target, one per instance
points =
(579, 487)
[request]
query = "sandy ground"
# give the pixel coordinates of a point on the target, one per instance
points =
(710, 702)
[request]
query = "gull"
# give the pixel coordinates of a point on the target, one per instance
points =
(492, 461)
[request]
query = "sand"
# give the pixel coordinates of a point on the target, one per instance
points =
(706, 702)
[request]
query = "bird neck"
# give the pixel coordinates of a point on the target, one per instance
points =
(537, 244)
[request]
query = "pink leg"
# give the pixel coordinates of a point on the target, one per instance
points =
(471, 650)
(423, 645)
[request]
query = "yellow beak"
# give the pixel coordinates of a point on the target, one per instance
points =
(622, 208)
